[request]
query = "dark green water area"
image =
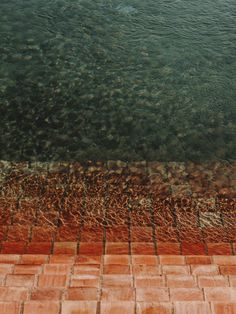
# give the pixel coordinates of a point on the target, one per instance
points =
(122, 79)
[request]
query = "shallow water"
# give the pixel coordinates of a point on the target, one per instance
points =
(128, 80)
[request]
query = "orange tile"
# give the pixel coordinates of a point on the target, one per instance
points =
(13, 247)
(82, 294)
(142, 248)
(20, 280)
(124, 307)
(46, 294)
(154, 308)
(192, 307)
(152, 294)
(58, 281)
(91, 234)
(193, 248)
(172, 259)
(144, 259)
(13, 294)
(117, 248)
(232, 281)
(88, 259)
(27, 269)
(180, 281)
(86, 269)
(56, 269)
(198, 259)
(141, 234)
(164, 248)
(89, 248)
(9, 258)
(222, 294)
(175, 270)
(223, 307)
(116, 259)
(6, 269)
(224, 260)
(139, 270)
(186, 294)
(65, 248)
(213, 281)
(83, 307)
(219, 249)
(40, 307)
(116, 269)
(205, 270)
(117, 281)
(228, 270)
(85, 281)
(117, 234)
(118, 294)
(150, 281)
(31, 259)
(39, 248)
(62, 259)
(10, 307)
(18, 233)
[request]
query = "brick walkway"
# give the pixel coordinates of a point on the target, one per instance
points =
(117, 238)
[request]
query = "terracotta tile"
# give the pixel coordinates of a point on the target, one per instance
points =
(13, 294)
(224, 260)
(186, 294)
(67, 233)
(212, 281)
(85, 281)
(166, 234)
(65, 248)
(46, 294)
(150, 281)
(27, 269)
(205, 270)
(118, 294)
(82, 294)
(215, 234)
(25, 214)
(190, 234)
(2, 280)
(117, 248)
(86, 248)
(117, 281)
(117, 234)
(39, 307)
(144, 260)
(193, 248)
(3, 233)
(91, 234)
(145, 270)
(228, 270)
(124, 307)
(163, 215)
(232, 281)
(13, 247)
(88, 259)
(39, 248)
(116, 259)
(62, 259)
(6, 269)
(219, 249)
(223, 307)
(198, 259)
(141, 234)
(222, 294)
(175, 270)
(30, 259)
(58, 281)
(181, 281)
(164, 248)
(152, 294)
(193, 307)
(172, 259)
(86, 269)
(142, 248)
(10, 307)
(56, 269)
(18, 233)
(9, 258)
(116, 269)
(20, 280)
(83, 307)
(154, 307)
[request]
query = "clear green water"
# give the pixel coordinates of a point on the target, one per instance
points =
(132, 79)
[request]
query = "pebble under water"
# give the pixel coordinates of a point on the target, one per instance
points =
(113, 79)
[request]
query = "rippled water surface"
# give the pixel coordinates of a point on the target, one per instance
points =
(132, 79)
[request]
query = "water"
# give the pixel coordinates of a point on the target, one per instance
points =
(131, 80)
